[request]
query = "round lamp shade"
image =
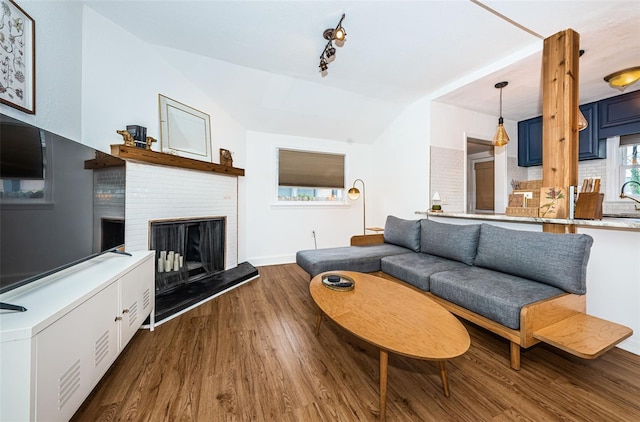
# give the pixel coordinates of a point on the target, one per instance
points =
(354, 193)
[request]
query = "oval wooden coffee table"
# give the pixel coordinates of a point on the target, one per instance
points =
(395, 318)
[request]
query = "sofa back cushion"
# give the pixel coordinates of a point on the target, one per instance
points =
(406, 233)
(559, 260)
(453, 241)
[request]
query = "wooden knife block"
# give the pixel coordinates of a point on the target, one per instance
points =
(589, 206)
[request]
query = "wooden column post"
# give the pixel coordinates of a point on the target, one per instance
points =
(560, 78)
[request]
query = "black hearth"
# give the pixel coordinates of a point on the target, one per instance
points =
(190, 263)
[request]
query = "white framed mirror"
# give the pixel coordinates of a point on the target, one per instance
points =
(184, 131)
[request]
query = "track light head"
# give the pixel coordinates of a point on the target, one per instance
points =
(337, 35)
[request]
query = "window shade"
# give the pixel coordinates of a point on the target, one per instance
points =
(630, 139)
(310, 169)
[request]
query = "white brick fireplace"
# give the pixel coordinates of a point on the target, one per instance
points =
(160, 192)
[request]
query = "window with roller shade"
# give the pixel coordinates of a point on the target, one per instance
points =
(306, 176)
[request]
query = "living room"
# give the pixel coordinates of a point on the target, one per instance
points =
(94, 77)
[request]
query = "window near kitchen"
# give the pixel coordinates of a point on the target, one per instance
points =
(629, 169)
(310, 177)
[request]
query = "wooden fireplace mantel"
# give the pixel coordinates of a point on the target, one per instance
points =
(153, 157)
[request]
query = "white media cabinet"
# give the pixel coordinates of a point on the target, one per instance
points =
(76, 324)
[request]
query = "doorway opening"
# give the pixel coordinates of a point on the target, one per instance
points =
(480, 176)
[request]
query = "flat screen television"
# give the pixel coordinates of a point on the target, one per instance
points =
(61, 203)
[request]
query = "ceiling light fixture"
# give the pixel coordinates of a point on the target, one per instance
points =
(337, 35)
(623, 78)
(501, 138)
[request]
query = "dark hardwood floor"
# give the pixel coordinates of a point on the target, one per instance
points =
(251, 355)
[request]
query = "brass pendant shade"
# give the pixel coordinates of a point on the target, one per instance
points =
(501, 138)
(582, 121)
(623, 78)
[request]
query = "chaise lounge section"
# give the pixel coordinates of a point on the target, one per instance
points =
(514, 283)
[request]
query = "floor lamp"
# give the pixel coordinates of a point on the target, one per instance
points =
(354, 194)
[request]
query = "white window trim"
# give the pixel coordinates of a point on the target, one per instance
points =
(613, 173)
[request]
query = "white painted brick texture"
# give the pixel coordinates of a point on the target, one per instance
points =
(160, 192)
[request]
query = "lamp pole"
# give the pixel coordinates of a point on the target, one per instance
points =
(354, 194)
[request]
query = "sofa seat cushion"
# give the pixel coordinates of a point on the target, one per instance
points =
(416, 268)
(364, 259)
(559, 260)
(494, 295)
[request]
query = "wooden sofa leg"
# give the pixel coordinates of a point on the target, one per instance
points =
(515, 356)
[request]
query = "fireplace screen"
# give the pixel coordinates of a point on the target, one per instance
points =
(187, 251)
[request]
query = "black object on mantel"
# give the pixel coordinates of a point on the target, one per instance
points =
(189, 294)
(139, 134)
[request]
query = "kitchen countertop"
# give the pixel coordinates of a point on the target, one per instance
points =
(606, 222)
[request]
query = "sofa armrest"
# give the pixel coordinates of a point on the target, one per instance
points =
(368, 239)
(547, 312)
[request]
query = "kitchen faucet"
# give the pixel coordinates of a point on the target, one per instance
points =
(622, 195)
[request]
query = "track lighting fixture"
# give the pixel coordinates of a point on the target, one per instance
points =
(337, 35)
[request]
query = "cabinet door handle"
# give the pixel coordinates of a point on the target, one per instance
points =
(118, 318)
(125, 311)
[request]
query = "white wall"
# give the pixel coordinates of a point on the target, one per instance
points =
(449, 131)
(400, 166)
(613, 275)
(58, 68)
(122, 77)
(118, 90)
(276, 232)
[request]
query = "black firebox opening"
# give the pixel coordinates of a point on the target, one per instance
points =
(112, 233)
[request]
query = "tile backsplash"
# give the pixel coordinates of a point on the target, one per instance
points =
(594, 168)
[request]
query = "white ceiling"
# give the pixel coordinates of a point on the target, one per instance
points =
(265, 55)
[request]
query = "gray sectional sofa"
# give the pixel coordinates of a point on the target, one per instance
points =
(509, 281)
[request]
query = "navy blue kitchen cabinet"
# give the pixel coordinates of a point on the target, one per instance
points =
(619, 115)
(530, 139)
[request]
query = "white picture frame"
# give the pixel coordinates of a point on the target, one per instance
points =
(184, 131)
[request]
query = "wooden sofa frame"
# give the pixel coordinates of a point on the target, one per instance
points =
(561, 321)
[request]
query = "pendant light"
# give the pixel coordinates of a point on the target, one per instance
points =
(501, 138)
(582, 121)
(623, 78)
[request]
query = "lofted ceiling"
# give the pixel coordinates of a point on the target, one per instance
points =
(265, 55)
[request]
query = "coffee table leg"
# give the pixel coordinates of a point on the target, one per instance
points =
(318, 321)
(443, 375)
(384, 358)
